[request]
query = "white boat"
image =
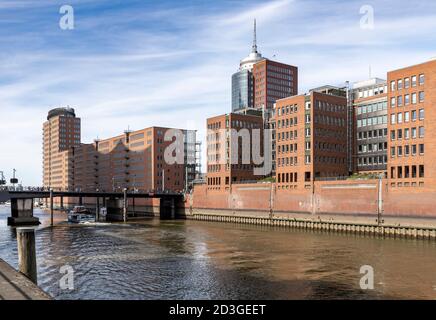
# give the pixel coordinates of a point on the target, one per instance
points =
(80, 215)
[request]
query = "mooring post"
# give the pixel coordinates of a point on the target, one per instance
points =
(97, 212)
(379, 200)
(125, 205)
(51, 207)
(27, 253)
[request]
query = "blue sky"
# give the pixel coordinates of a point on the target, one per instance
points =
(169, 63)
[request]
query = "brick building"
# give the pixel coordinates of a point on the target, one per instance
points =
(273, 81)
(133, 160)
(61, 131)
(311, 138)
(412, 126)
(223, 146)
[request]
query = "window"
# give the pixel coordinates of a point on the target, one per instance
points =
(400, 151)
(400, 134)
(400, 117)
(400, 84)
(308, 145)
(421, 171)
(392, 152)
(406, 133)
(407, 83)
(414, 98)
(392, 134)
(392, 85)
(421, 132)
(307, 132)
(421, 114)
(413, 133)
(413, 81)
(307, 159)
(406, 116)
(406, 150)
(421, 148)
(400, 101)
(421, 79)
(393, 100)
(421, 96)
(407, 99)
(400, 172)
(413, 171)
(413, 149)
(413, 115)
(393, 117)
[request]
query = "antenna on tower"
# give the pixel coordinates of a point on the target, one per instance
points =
(254, 48)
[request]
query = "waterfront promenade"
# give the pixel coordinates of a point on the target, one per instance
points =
(15, 286)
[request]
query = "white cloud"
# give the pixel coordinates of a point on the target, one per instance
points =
(178, 74)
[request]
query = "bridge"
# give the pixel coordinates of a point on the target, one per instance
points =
(22, 202)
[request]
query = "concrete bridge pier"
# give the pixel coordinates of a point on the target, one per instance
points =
(167, 208)
(22, 213)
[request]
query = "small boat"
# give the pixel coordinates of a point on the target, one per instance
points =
(80, 214)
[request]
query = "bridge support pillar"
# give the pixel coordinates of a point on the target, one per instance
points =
(167, 208)
(22, 213)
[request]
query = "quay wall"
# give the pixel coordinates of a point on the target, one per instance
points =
(355, 202)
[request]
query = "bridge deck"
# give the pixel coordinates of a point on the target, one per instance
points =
(15, 286)
(7, 195)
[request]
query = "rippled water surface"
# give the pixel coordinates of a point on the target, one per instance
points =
(201, 260)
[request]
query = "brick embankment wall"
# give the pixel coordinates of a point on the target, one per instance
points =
(349, 206)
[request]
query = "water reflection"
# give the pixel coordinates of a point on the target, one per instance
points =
(202, 260)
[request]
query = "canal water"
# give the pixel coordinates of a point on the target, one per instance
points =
(205, 260)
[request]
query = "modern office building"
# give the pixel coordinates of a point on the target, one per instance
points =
(311, 138)
(273, 81)
(260, 81)
(142, 159)
(412, 126)
(369, 100)
(229, 142)
(61, 132)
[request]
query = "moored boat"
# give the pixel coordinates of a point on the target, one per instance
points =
(80, 214)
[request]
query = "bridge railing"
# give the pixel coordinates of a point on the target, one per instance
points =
(117, 190)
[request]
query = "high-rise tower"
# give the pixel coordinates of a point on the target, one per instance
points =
(260, 81)
(61, 131)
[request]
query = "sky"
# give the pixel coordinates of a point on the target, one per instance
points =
(138, 63)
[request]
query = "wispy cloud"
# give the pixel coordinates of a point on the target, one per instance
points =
(169, 63)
